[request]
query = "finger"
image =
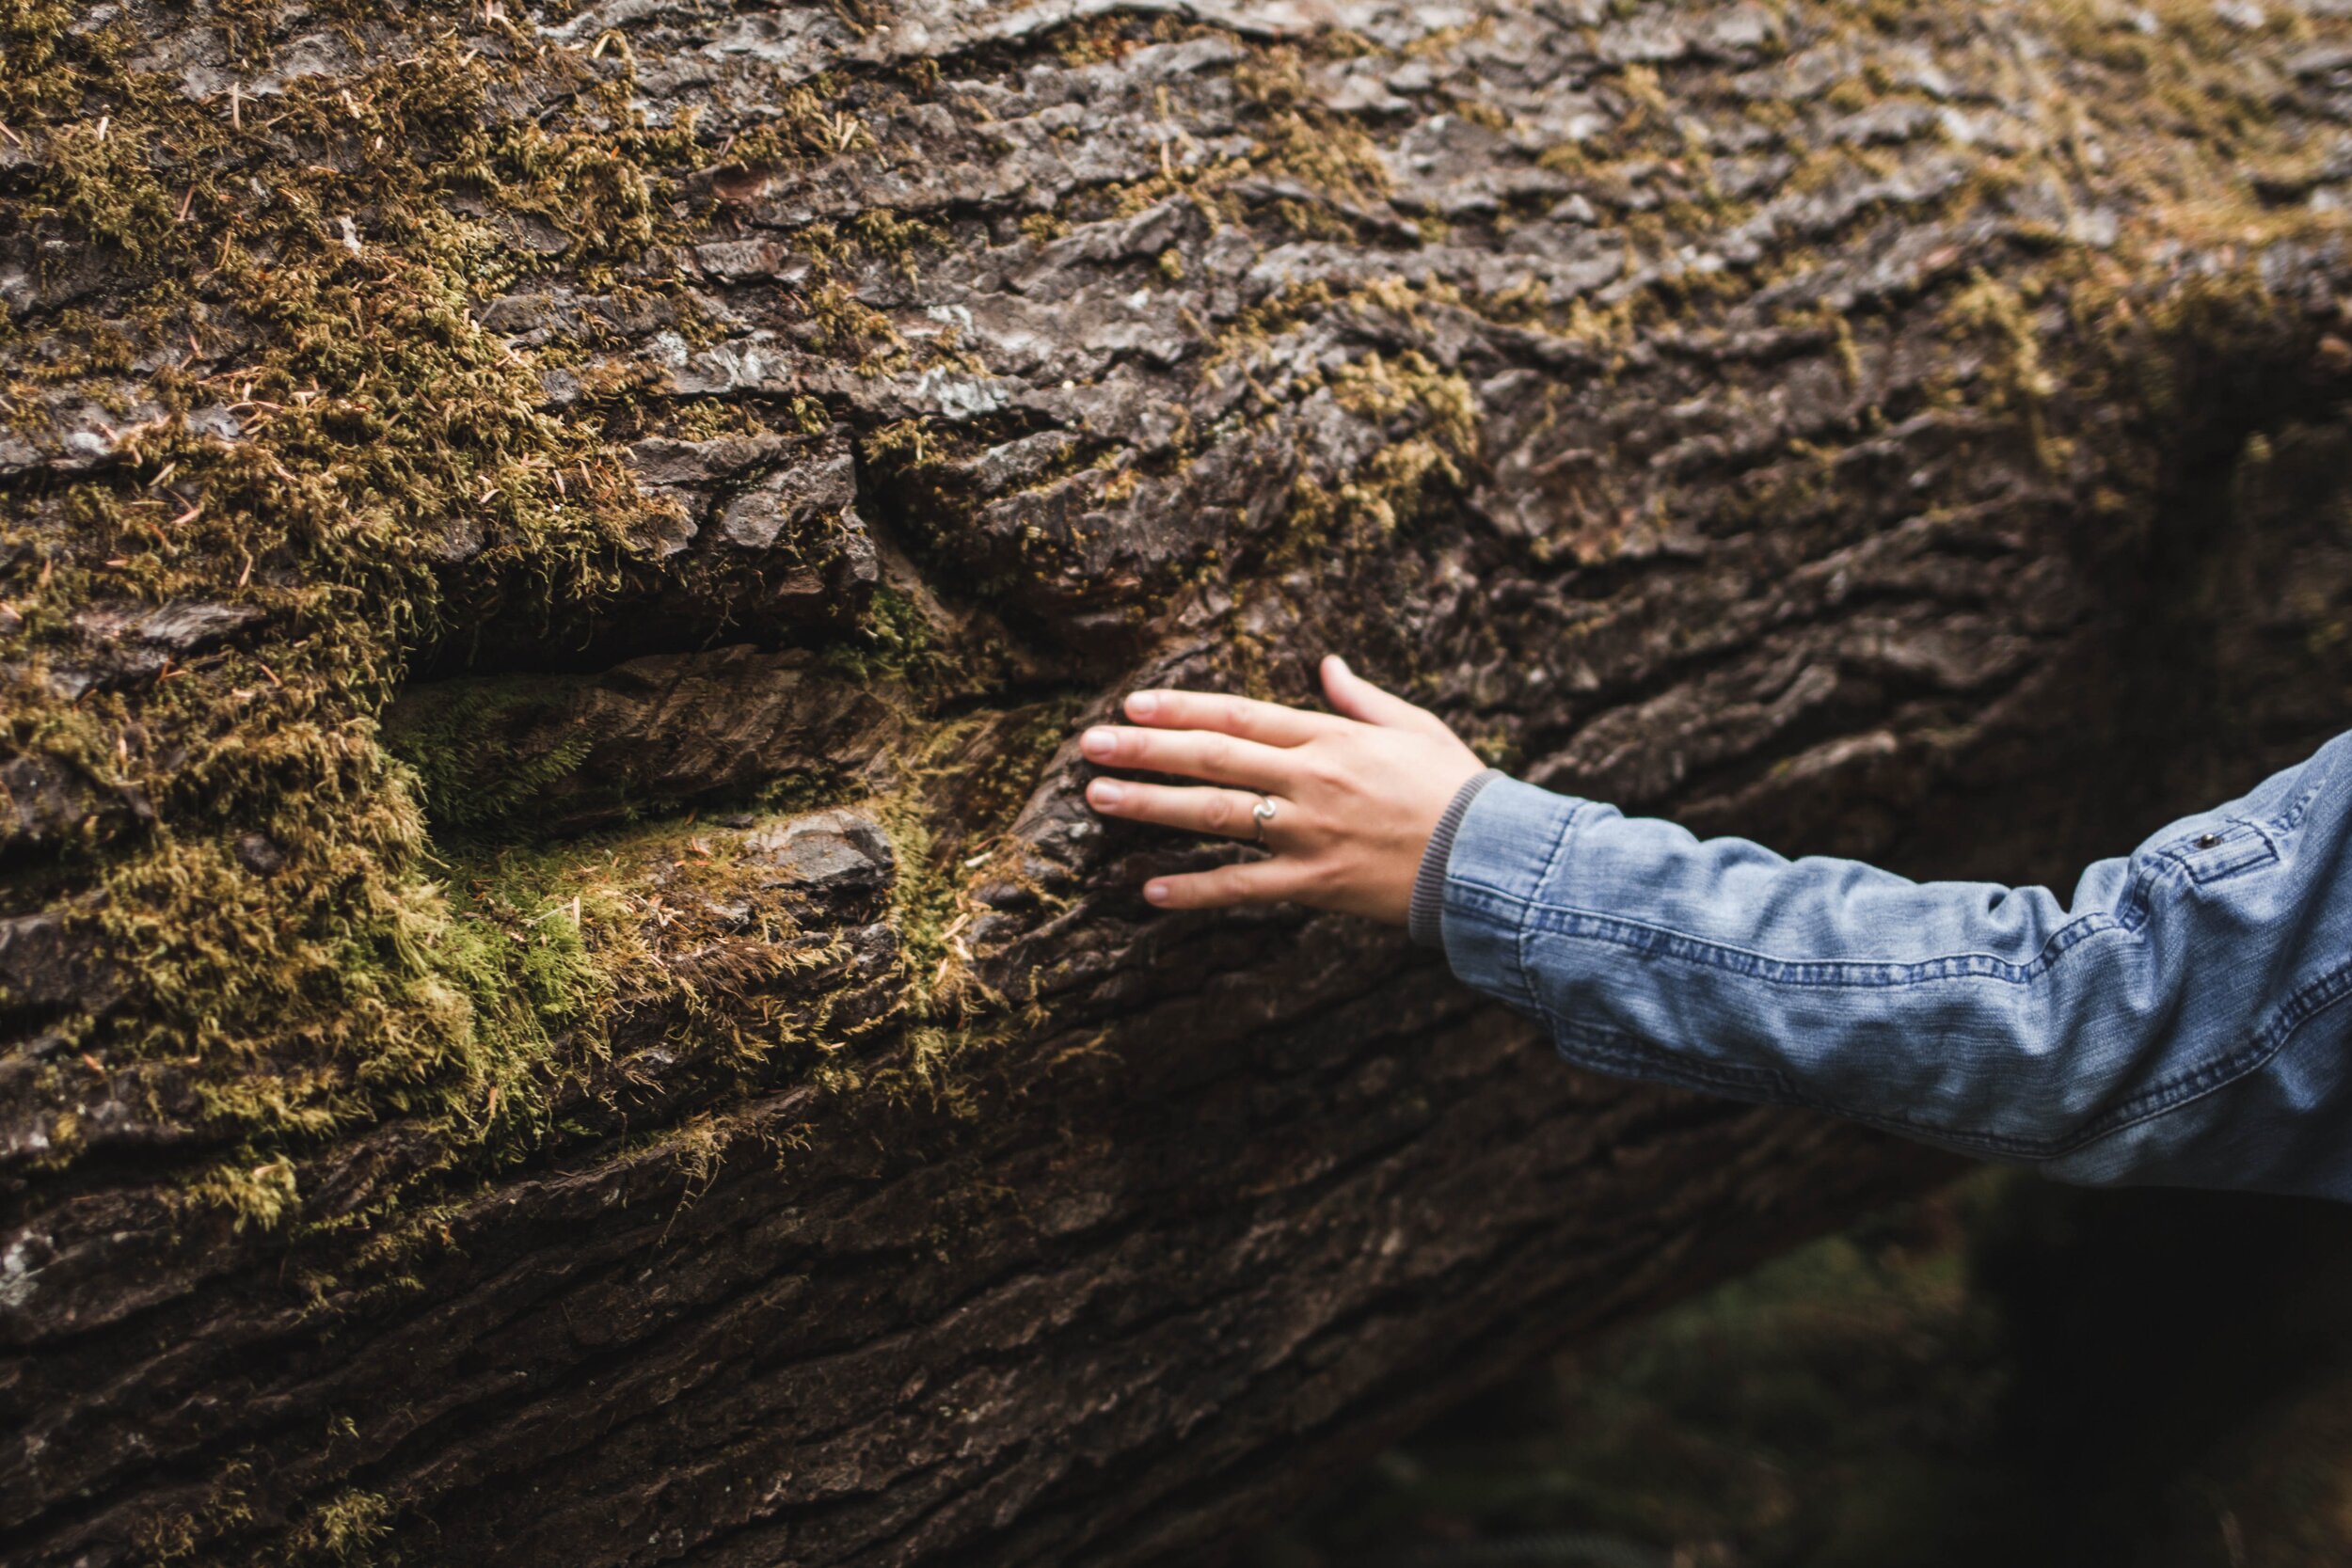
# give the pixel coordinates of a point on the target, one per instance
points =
(1191, 753)
(1359, 699)
(1194, 808)
(1253, 883)
(1269, 723)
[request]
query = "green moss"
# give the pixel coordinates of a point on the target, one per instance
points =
(462, 743)
(894, 639)
(398, 475)
(399, 479)
(259, 1195)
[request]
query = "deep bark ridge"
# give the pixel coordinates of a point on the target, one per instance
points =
(558, 1002)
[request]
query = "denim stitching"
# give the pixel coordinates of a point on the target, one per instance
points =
(2262, 851)
(2160, 1099)
(2291, 818)
(1577, 1042)
(1599, 1043)
(2285, 1020)
(1821, 974)
(1518, 936)
(1523, 913)
(1582, 1043)
(1609, 1049)
(2131, 912)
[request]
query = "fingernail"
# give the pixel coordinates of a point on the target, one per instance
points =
(1142, 704)
(1105, 793)
(1156, 891)
(1098, 742)
(1341, 665)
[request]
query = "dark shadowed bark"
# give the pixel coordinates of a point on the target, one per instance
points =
(558, 1001)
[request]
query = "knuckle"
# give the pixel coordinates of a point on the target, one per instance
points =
(1217, 813)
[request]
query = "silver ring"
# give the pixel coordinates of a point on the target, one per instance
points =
(1263, 812)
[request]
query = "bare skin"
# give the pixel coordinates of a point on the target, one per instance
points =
(1356, 794)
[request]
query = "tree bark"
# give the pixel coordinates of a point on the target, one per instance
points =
(560, 1002)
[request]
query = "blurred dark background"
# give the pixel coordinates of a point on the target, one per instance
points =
(2007, 1372)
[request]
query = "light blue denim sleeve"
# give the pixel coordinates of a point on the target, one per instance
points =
(2177, 1023)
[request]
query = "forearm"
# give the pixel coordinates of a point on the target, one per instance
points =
(1989, 1019)
(2181, 1021)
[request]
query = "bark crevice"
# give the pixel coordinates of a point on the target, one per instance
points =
(557, 986)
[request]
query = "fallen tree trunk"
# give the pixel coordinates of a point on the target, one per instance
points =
(561, 1002)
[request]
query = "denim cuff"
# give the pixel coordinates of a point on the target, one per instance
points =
(1506, 849)
(1424, 919)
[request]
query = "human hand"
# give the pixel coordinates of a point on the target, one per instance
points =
(1355, 795)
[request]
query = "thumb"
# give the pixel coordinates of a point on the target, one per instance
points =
(1359, 699)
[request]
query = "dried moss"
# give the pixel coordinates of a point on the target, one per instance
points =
(347, 1529)
(309, 268)
(393, 472)
(396, 477)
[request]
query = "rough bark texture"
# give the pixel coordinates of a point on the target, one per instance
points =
(558, 1002)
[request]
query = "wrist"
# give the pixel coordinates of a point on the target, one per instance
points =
(1426, 912)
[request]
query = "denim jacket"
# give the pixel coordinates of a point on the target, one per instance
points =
(2177, 1023)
